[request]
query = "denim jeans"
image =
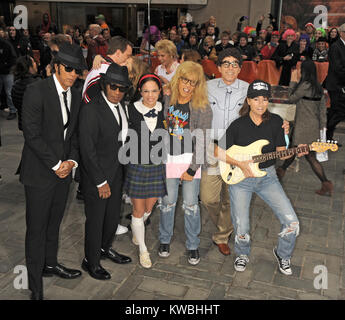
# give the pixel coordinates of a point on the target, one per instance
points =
(6, 80)
(192, 221)
(269, 189)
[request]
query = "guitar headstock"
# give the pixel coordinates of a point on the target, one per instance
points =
(324, 146)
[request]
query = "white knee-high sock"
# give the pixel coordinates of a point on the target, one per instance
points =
(146, 215)
(138, 230)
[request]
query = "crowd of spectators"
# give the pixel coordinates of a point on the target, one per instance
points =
(192, 41)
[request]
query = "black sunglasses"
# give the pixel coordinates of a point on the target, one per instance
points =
(70, 69)
(121, 88)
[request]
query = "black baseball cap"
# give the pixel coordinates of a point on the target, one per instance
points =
(259, 88)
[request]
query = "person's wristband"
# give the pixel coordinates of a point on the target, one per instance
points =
(191, 172)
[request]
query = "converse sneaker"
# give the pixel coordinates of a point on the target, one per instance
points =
(283, 264)
(241, 263)
(164, 250)
(145, 260)
(193, 257)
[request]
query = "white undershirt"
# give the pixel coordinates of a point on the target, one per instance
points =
(60, 90)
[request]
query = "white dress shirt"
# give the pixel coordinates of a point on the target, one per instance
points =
(60, 91)
(124, 129)
(151, 122)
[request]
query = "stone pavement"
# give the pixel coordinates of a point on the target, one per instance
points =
(321, 242)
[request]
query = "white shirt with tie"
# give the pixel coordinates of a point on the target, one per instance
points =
(124, 129)
(60, 91)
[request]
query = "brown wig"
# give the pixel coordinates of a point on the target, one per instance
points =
(244, 111)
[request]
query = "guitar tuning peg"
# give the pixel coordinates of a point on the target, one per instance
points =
(335, 142)
(318, 140)
(327, 141)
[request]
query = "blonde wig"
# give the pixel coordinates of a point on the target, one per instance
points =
(194, 71)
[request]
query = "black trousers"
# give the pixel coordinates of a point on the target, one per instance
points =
(44, 212)
(102, 217)
(336, 112)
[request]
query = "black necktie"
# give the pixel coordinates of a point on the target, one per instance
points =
(66, 107)
(151, 114)
(119, 114)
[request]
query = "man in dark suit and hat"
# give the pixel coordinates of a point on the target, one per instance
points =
(50, 115)
(101, 123)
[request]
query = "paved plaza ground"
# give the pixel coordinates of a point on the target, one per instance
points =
(320, 243)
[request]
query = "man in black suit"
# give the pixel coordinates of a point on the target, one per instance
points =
(50, 116)
(101, 122)
(335, 83)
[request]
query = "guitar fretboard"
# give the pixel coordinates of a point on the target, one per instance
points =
(279, 154)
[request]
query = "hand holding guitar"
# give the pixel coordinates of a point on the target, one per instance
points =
(244, 166)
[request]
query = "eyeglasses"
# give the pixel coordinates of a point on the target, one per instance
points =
(148, 91)
(193, 83)
(70, 69)
(121, 88)
(227, 64)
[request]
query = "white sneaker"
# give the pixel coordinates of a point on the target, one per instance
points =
(121, 229)
(145, 260)
(241, 263)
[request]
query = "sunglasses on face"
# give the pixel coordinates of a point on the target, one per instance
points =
(193, 83)
(70, 69)
(227, 64)
(121, 88)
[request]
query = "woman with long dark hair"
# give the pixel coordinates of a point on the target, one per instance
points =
(333, 36)
(307, 93)
(145, 181)
(25, 72)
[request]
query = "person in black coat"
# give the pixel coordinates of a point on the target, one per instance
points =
(247, 51)
(51, 151)
(25, 73)
(335, 83)
(286, 55)
(102, 121)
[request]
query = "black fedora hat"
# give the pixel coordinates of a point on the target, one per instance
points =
(116, 74)
(72, 56)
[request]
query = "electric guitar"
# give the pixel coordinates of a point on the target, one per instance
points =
(232, 174)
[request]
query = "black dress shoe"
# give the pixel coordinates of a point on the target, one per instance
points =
(36, 296)
(114, 256)
(98, 272)
(61, 271)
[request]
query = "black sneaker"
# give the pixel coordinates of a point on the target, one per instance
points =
(11, 116)
(164, 250)
(193, 257)
(283, 264)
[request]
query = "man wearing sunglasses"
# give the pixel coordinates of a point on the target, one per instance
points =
(103, 129)
(50, 115)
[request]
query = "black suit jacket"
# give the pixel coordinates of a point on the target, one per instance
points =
(43, 132)
(98, 140)
(336, 71)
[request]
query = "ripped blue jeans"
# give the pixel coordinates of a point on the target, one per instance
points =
(192, 222)
(269, 189)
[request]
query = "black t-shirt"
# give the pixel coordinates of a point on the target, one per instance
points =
(179, 129)
(243, 131)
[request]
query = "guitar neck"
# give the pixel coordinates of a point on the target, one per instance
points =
(279, 154)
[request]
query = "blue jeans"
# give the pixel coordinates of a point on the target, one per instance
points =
(269, 189)
(192, 221)
(6, 80)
